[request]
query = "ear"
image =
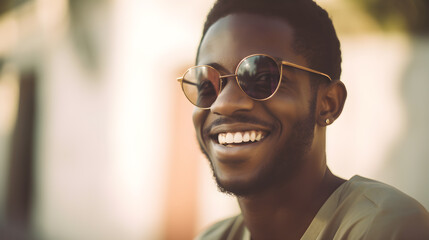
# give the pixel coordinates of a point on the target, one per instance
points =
(331, 99)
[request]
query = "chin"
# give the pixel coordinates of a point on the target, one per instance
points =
(236, 188)
(249, 185)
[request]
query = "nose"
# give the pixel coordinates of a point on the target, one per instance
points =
(231, 99)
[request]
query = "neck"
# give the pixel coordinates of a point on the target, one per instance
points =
(285, 211)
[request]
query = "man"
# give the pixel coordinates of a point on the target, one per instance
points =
(266, 86)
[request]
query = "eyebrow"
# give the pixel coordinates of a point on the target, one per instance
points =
(217, 67)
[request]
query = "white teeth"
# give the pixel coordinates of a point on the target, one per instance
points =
(252, 136)
(246, 137)
(240, 137)
(258, 136)
(229, 138)
(221, 137)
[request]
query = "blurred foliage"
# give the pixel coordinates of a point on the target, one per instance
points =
(408, 15)
(6, 5)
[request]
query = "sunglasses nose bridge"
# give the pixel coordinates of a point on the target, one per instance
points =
(224, 79)
(231, 98)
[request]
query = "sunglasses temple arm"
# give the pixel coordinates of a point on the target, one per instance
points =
(306, 69)
(227, 76)
(187, 82)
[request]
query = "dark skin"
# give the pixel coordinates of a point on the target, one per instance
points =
(285, 209)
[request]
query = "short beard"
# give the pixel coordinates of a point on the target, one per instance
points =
(285, 164)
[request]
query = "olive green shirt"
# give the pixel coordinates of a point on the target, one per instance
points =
(359, 209)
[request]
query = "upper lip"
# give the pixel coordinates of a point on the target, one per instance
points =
(236, 127)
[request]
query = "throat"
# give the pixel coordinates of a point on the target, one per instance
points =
(280, 225)
(287, 216)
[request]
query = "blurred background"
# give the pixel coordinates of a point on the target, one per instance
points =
(96, 139)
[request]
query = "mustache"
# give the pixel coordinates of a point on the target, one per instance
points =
(236, 119)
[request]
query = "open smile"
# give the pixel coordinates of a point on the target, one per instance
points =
(238, 133)
(237, 142)
(240, 137)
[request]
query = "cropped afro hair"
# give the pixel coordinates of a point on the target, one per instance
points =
(315, 36)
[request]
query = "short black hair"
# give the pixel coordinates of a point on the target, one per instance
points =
(315, 36)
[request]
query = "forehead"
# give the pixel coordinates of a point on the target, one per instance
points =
(236, 36)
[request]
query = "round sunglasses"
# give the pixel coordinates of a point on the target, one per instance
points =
(258, 76)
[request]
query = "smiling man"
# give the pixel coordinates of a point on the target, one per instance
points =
(265, 86)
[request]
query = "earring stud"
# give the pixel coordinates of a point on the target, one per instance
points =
(328, 121)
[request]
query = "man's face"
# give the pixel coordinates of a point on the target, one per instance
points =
(285, 121)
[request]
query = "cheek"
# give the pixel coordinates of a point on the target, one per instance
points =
(288, 109)
(198, 117)
(283, 107)
(293, 98)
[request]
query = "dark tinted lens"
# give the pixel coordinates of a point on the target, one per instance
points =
(201, 85)
(258, 76)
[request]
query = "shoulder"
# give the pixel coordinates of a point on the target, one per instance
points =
(379, 196)
(230, 228)
(380, 211)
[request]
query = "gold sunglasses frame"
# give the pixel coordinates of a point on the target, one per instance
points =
(279, 63)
